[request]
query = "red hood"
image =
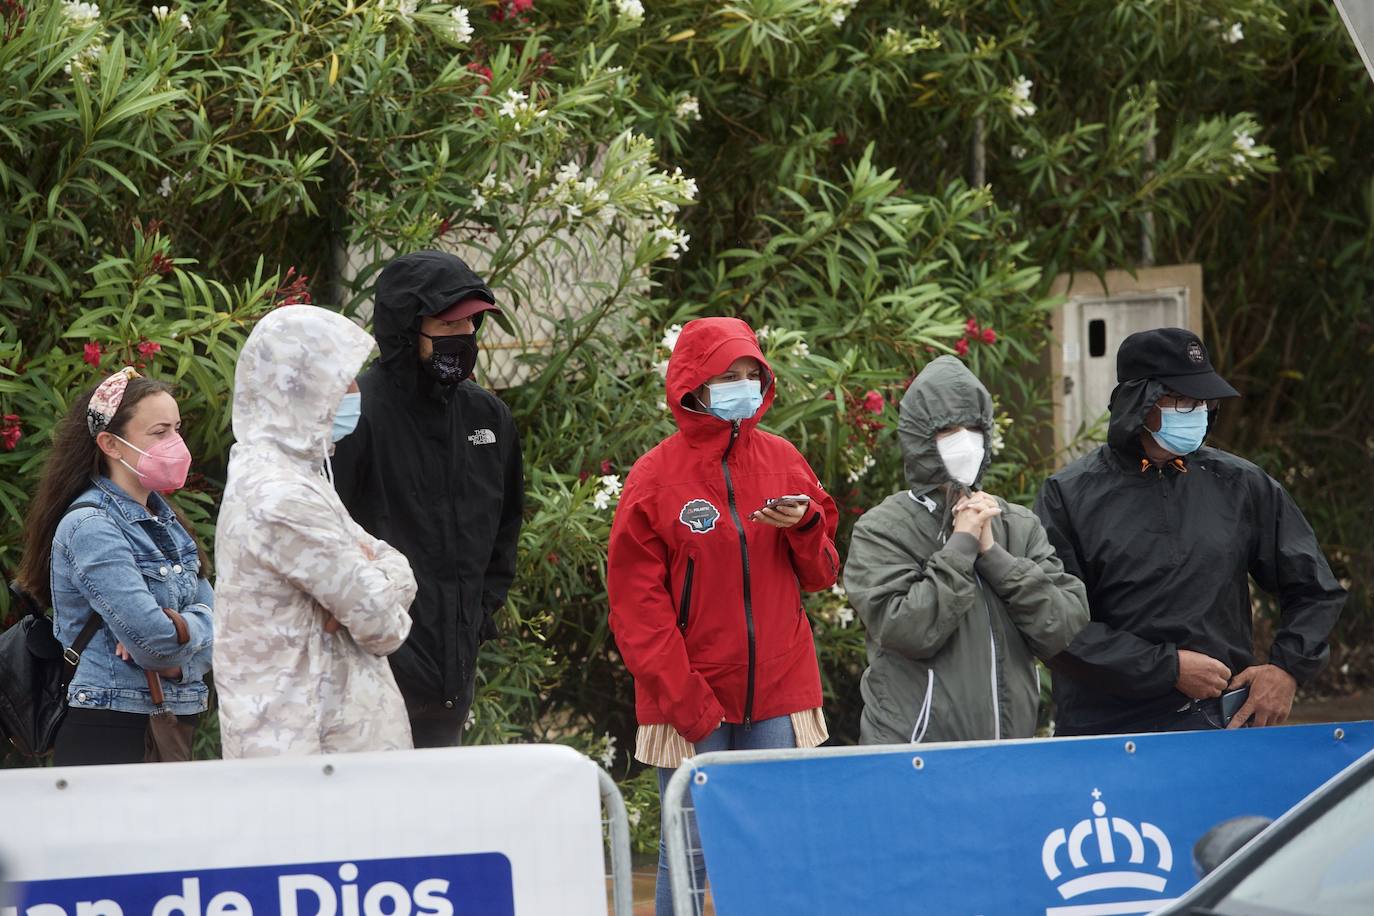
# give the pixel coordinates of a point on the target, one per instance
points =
(707, 347)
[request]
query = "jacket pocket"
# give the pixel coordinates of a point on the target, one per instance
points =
(684, 605)
(918, 731)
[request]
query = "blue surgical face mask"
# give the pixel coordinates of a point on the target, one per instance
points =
(347, 416)
(736, 400)
(1181, 433)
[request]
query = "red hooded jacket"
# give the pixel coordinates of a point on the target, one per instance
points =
(705, 604)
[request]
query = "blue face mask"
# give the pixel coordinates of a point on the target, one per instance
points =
(1181, 433)
(736, 400)
(347, 416)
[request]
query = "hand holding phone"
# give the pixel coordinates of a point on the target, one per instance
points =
(780, 502)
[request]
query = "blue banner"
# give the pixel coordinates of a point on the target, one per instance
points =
(462, 885)
(1064, 827)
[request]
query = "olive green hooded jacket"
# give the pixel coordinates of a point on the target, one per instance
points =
(952, 635)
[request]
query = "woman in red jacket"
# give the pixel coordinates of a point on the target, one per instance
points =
(705, 578)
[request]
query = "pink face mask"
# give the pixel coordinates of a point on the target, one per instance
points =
(164, 467)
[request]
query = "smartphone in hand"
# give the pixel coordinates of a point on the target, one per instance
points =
(782, 502)
(1231, 702)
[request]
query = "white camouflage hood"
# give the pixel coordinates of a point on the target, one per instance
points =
(294, 370)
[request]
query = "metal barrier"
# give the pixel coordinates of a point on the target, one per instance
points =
(1060, 826)
(615, 828)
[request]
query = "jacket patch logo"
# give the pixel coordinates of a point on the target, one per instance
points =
(699, 516)
(1195, 352)
(483, 437)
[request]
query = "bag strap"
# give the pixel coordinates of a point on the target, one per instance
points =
(72, 655)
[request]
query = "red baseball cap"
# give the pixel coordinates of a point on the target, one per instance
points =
(466, 308)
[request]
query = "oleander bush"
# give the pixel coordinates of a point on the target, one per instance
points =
(868, 182)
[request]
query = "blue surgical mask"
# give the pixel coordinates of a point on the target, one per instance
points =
(736, 400)
(347, 416)
(1181, 433)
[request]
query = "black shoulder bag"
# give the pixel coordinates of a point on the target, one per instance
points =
(35, 671)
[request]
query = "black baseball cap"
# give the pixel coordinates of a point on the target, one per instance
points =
(1174, 357)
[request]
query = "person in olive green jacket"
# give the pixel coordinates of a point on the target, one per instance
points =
(959, 590)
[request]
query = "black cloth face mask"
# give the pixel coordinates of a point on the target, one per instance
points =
(453, 359)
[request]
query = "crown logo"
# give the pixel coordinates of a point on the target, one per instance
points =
(1111, 843)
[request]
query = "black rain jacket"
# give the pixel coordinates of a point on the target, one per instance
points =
(434, 470)
(1166, 555)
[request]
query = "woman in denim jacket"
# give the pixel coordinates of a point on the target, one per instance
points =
(100, 539)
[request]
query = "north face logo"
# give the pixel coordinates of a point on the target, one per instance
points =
(483, 437)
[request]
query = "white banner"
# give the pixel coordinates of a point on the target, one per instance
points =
(453, 832)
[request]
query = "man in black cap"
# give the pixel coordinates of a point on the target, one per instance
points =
(433, 468)
(1165, 534)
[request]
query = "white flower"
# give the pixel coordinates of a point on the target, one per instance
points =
(407, 7)
(1018, 151)
(471, 720)
(608, 752)
(185, 22)
(1021, 105)
(800, 349)
(1234, 34)
(670, 336)
(677, 241)
(478, 201)
(81, 15)
(845, 615)
(610, 489)
(161, 12)
(573, 211)
(838, 591)
(461, 27)
(506, 188)
(689, 109)
(837, 10)
(632, 11)
(634, 816)
(568, 172)
(164, 187)
(857, 474)
(1243, 149)
(489, 182)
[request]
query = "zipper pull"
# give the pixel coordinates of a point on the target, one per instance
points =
(748, 722)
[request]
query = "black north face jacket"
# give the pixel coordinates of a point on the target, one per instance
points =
(1166, 555)
(434, 470)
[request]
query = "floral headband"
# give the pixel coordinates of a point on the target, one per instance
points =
(107, 398)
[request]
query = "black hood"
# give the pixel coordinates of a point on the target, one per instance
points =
(410, 288)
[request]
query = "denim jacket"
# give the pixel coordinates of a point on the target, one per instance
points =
(107, 560)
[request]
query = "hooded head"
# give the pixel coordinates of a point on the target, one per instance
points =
(294, 370)
(706, 348)
(945, 394)
(412, 287)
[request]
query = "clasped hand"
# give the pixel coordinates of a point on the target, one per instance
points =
(973, 515)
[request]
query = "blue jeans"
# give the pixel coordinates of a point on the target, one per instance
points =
(770, 733)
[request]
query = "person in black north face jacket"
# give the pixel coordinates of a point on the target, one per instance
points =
(433, 469)
(1165, 534)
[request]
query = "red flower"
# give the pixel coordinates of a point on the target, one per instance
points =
(520, 6)
(840, 139)
(583, 475)
(162, 264)
(971, 327)
(874, 402)
(10, 433)
(989, 336)
(552, 558)
(606, 467)
(293, 291)
(961, 347)
(444, 226)
(481, 70)
(92, 352)
(147, 348)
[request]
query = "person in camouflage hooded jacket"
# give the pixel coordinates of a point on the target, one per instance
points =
(310, 602)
